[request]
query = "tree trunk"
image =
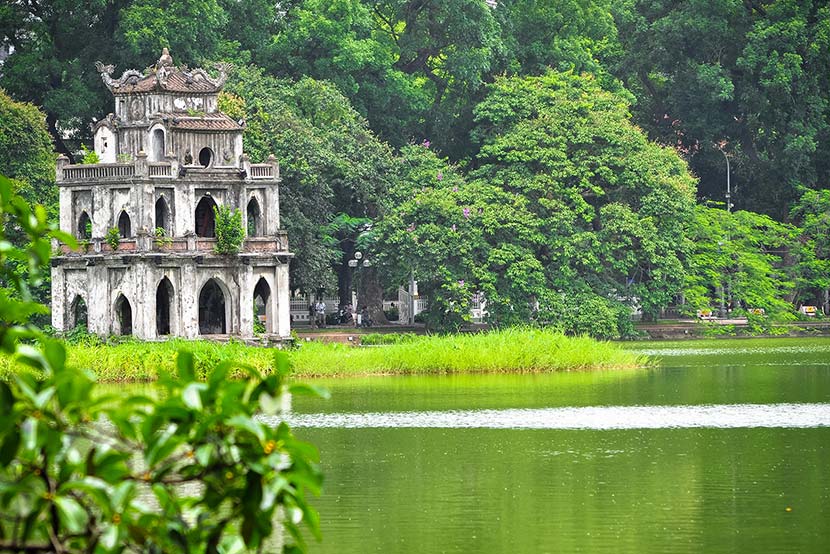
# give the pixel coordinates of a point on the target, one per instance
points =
(371, 294)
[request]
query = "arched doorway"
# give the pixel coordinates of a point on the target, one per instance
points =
(78, 313)
(254, 218)
(164, 298)
(157, 151)
(262, 311)
(205, 217)
(124, 316)
(212, 309)
(84, 226)
(205, 157)
(124, 225)
(163, 216)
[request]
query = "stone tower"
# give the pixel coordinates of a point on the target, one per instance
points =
(168, 157)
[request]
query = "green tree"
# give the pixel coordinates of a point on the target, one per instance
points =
(571, 35)
(752, 76)
(812, 213)
(331, 164)
(26, 157)
(26, 152)
(612, 205)
(739, 259)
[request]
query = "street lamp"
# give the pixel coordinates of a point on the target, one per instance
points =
(729, 204)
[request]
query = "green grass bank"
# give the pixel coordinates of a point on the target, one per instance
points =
(513, 350)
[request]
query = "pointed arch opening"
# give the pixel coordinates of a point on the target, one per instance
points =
(123, 316)
(212, 316)
(84, 226)
(124, 228)
(254, 219)
(262, 306)
(78, 313)
(164, 304)
(162, 220)
(206, 217)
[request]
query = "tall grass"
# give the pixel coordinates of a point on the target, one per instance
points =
(513, 350)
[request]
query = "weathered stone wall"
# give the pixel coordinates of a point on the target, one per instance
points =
(101, 284)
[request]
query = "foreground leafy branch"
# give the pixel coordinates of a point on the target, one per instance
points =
(194, 471)
(191, 470)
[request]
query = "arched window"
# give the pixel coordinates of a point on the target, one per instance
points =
(157, 151)
(205, 217)
(84, 226)
(124, 316)
(124, 225)
(254, 219)
(205, 157)
(163, 216)
(78, 312)
(212, 309)
(262, 311)
(164, 297)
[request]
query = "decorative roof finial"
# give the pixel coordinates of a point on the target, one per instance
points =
(166, 59)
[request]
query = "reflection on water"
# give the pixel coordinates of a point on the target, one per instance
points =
(723, 448)
(597, 417)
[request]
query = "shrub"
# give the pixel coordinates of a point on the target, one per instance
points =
(160, 237)
(229, 231)
(113, 238)
(89, 156)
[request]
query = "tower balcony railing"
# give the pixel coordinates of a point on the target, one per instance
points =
(272, 244)
(85, 172)
(170, 168)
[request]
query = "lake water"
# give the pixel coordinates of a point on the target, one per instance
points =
(725, 447)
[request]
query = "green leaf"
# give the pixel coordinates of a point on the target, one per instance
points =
(55, 354)
(191, 395)
(184, 363)
(204, 453)
(270, 405)
(245, 423)
(282, 363)
(6, 399)
(8, 450)
(71, 513)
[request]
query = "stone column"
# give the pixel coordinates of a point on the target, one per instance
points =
(274, 164)
(188, 299)
(99, 310)
(246, 300)
(62, 162)
(66, 222)
(141, 168)
(282, 306)
(58, 298)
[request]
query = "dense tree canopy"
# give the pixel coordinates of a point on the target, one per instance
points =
(538, 116)
(752, 76)
(570, 201)
(331, 163)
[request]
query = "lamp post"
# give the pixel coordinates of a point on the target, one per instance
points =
(358, 261)
(728, 292)
(728, 181)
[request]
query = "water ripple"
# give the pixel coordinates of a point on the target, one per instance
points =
(718, 416)
(733, 351)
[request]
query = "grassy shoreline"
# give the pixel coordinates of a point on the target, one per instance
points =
(507, 351)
